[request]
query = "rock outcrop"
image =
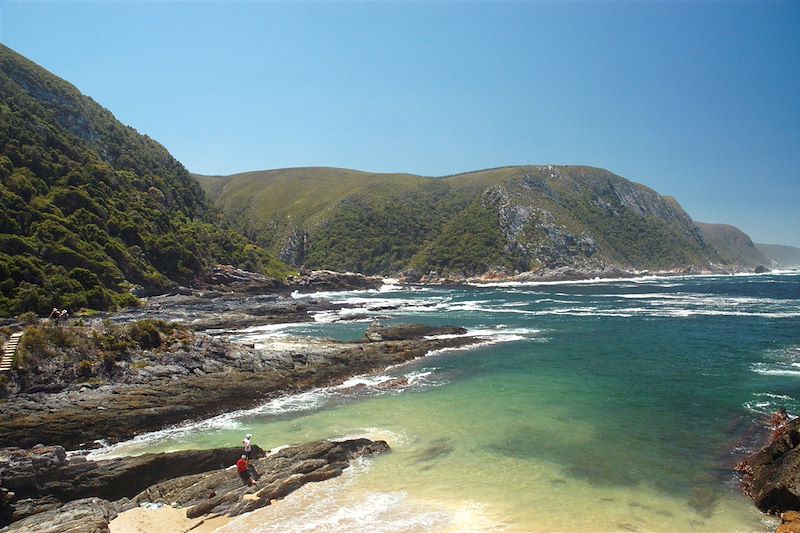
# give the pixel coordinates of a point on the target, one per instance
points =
(44, 478)
(200, 376)
(407, 332)
(772, 475)
(88, 515)
(221, 491)
(43, 490)
(214, 310)
(328, 280)
(230, 278)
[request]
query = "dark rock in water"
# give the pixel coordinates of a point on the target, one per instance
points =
(761, 269)
(405, 332)
(393, 384)
(772, 475)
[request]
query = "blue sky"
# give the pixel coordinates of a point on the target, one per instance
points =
(698, 100)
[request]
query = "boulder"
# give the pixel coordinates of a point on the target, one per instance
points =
(405, 332)
(772, 475)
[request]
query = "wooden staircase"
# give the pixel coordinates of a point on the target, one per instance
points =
(9, 350)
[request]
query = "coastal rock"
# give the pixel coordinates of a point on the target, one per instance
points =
(204, 310)
(229, 278)
(405, 332)
(761, 269)
(222, 491)
(410, 276)
(772, 475)
(89, 515)
(328, 280)
(573, 274)
(43, 478)
(198, 376)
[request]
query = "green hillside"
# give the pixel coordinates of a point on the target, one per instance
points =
(89, 207)
(734, 245)
(512, 219)
(780, 256)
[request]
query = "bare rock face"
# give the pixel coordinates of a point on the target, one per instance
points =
(88, 515)
(43, 490)
(328, 280)
(772, 475)
(227, 277)
(43, 478)
(202, 378)
(406, 332)
(222, 491)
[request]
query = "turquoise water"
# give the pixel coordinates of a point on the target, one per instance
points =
(602, 406)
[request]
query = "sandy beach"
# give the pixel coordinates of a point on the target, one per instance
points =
(165, 519)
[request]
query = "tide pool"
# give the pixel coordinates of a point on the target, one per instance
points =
(601, 406)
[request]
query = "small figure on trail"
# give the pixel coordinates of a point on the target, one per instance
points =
(54, 314)
(62, 317)
(243, 467)
(246, 443)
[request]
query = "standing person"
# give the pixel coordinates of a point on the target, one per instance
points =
(243, 468)
(62, 317)
(246, 443)
(54, 314)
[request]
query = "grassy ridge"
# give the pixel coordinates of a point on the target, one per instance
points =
(733, 244)
(510, 218)
(89, 207)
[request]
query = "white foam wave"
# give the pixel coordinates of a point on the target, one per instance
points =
(369, 381)
(592, 281)
(373, 433)
(759, 369)
(338, 506)
(303, 401)
(775, 396)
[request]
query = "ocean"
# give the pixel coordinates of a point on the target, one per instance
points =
(616, 405)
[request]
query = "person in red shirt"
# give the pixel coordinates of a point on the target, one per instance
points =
(243, 468)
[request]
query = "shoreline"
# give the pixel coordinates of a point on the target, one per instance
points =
(303, 345)
(569, 276)
(165, 519)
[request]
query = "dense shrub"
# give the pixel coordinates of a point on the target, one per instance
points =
(86, 198)
(147, 333)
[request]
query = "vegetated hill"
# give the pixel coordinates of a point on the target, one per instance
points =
(781, 256)
(89, 207)
(527, 218)
(733, 244)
